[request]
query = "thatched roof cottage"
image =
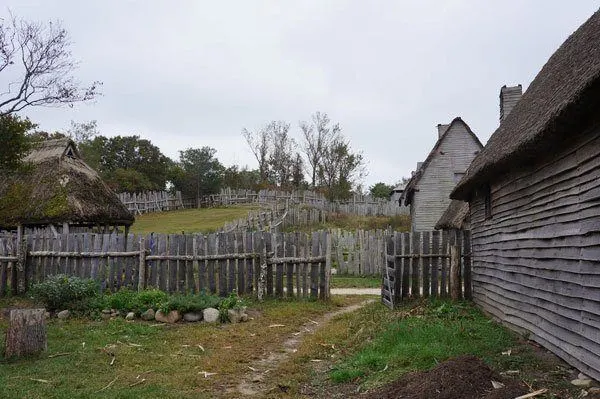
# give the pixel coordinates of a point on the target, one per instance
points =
(428, 190)
(56, 189)
(534, 195)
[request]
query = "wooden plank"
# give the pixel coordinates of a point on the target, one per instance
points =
(444, 263)
(314, 267)
(304, 251)
(468, 287)
(298, 266)
(181, 264)
(426, 262)
(288, 251)
(191, 267)
(231, 263)
(222, 265)
(406, 264)
(4, 267)
(415, 265)
(389, 274)
(202, 249)
(240, 264)
(398, 267)
(279, 249)
(249, 263)
(325, 268)
(128, 262)
(435, 263)
(162, 266)
(270, 246)
(212, 268)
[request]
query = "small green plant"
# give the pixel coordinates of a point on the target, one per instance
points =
(233, 301)
(150, 299)
(60, 292)
(124, 300)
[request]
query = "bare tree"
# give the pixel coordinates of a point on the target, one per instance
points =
(258, 142)
(281, 158)
(37, 65)
(317, 136)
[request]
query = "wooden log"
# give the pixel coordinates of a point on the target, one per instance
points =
(435, 243)
(406, 265)
(426, 262)
(415, 284)
(455, 256)
(142, 265)
(467, 266)
(26, 333)
(325, 294)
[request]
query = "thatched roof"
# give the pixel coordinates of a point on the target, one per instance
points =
(55, 186)
(561, 100)
(456, 216)
(412, 183)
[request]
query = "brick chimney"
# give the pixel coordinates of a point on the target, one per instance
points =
(442, 129)
(509, 97)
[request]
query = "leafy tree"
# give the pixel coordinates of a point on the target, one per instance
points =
(381, 190)
(198, 172)
(14, 139)
(237, 178)
(118, 157)
(37, 64)
(339, 169)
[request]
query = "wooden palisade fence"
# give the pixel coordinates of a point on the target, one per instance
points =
(427, 264)
(259, 263)
(151, 201)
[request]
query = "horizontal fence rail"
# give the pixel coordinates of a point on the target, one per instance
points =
(258, 263)
(427, 264)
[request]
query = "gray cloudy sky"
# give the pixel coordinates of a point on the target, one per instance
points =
(194, 73)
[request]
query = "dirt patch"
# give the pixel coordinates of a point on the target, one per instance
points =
(256, 381)
(464, 377)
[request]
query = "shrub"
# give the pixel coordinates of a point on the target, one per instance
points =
(124, 300)
(190, 303)
(233, 301)
(65, 292)
(150, 299)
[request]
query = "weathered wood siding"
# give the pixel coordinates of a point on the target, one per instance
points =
(536, 262)
(432, 194)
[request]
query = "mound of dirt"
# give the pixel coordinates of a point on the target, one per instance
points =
(464, 377)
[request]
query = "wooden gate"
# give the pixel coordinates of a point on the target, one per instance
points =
(427, 264)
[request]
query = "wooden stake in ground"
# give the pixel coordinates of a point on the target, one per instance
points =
(26, 332)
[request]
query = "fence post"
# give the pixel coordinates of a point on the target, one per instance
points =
(142, 266)
(455, 256)
(262, 275)
(327, 265)
(21, 262)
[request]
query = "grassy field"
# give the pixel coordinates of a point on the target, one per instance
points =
(346, 281)
(204, 220)
(351, 350)
(353, 222)
(152, 360)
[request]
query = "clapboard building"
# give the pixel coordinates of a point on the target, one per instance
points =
(534, 195)
(427, 192)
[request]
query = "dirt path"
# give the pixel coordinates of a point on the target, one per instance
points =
(256, 380)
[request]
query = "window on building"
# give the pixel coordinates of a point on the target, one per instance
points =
(487, 193)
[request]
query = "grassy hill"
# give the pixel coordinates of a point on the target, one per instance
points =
(204, 220)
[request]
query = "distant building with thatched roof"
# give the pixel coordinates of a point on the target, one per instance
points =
(56, 189)
(428, 191)
(534, 195)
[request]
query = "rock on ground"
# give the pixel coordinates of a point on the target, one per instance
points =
(172, 317)
(210, 315)
(63, 314)
(130, 316)
(192, 316)
(148, 315)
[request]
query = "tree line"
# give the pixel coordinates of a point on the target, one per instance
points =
(38, 60)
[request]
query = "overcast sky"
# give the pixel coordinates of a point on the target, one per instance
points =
(194, 73)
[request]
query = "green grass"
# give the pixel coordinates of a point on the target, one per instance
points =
(204, 220)
(78, 361)
(346, 281)
(443, 331)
